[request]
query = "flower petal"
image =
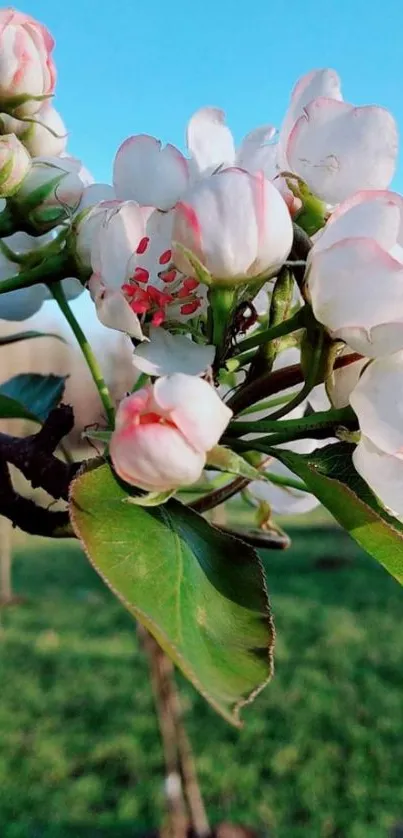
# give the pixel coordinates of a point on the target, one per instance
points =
(115, 242)
(372, 214)
(338, 149)
(149, 174)
(165, 354)
(155, 457)
(113, 311)
(194, 407)
(378, 402)
(313, 85)
(257, 153)
(383, 473)
(356, 290)
(209, 140)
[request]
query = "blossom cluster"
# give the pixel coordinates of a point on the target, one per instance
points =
(184, 250)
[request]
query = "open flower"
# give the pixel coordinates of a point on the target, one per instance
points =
(26, 63)
(355, 273)
(336, 148)
(236, 224)
(164, 431)
(133, 276)
(378, 402)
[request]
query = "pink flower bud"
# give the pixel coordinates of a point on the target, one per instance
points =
(15, 163)
(26, 64)
(164, 431)
(236, 224)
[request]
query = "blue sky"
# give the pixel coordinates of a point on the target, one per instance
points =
(146, 66)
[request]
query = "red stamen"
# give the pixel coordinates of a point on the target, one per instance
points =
(130, 290)
(142, 245)
(158, 297)
(165, 257)
(158, 317)
(140, 306)
(190, 284)
(168, 276)
(141, 275)
(190, 308)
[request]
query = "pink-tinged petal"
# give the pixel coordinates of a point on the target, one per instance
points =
(113, 311)
(235, 223)
(209, 140)
(166, 354)
(356, 290)
(383, 473)
(373, 214)
(258, 152)
(338, 149)
(274, 227)
(155, 457)
(118, 237)
(317, 83)
(132, 406)
(377, 400)
(149, 174)
(194, 407)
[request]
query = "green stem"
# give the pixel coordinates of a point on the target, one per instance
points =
(58, 294)
(287, 482)
(278, 331)
(265, 405)
(324, 420)
(7, 223)
(55, 268)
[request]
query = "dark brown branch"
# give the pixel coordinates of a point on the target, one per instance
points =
(33, 455)
(25, 514)
(273, 382)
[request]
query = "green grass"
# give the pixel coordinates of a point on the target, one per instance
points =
(320, 755)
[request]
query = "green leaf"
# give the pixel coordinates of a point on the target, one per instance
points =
(224, 459)
(329, 473)
(151, 498)
(30, 396)
(4, 341)
(200, 592)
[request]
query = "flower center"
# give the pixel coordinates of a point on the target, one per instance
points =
(177, 294)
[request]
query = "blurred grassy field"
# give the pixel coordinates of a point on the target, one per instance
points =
(321, 753)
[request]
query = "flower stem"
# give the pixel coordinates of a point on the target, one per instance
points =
(54, 268)
(288, 428)
(278, 331)
(58, 294)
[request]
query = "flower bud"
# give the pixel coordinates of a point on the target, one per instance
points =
(164, 431)
(27, 70)
(237, 226)
(15, 163)
(43, 135)
(51, 191)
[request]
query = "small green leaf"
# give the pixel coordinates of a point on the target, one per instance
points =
(30, 396)
(4, 341)
(200, 592)
(224, 459)
(150, 499)
(329, 473)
